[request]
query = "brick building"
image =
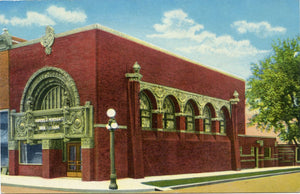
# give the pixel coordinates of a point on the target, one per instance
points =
(175, 116)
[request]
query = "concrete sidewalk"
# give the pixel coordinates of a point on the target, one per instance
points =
(125, 184)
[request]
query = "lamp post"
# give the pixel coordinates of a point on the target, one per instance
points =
(112, 126)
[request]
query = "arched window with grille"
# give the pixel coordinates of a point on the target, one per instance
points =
(190, 117)
(169, 114)
(207, 119)
(222, 122)
(145, 111)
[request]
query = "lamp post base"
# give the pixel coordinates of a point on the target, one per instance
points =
(113, 182)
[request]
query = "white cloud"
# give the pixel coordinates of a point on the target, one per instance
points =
(53, 15)
(260, 29)
(62, 14)
(223, 52)
(30, 19)
(176, 24)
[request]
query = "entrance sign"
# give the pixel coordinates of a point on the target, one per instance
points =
(66, 122)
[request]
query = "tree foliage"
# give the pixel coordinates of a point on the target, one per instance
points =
(273, 91)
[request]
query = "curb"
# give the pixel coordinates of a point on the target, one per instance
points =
(82, 190)
(221, 181)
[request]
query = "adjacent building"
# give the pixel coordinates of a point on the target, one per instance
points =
(175, 116)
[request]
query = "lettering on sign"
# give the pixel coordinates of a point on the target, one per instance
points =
(48, 123)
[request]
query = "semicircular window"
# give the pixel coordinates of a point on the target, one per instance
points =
(53, 99)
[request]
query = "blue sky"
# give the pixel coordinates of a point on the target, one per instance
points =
(225, 34)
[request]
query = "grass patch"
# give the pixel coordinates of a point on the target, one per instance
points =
(168, 183)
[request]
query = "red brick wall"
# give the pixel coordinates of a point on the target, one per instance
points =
(286, 154)
(30, 170)
(98, 62)
(4, 85)
(175, 156)
(75, 54)
(247, 142)
(53, 165)
(117, 55)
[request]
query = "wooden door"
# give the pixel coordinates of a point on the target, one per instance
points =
(74, 159)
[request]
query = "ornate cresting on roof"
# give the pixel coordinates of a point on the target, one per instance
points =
(48, 40)
(5, 40)
(161, 92)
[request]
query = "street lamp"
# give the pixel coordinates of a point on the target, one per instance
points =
(112, 126)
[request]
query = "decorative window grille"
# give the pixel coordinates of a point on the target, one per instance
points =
(222, 122)
(207, 119)
(190, 117)
(169, 114)
(145, 111)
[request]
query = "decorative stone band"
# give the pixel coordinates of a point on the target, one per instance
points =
(13, 145)
(48, 144)
(87, 142)
(186, 131)
(161, 92)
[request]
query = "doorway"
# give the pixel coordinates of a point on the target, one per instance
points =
(74, 159)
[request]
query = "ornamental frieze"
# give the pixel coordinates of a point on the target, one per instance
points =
(161, 92)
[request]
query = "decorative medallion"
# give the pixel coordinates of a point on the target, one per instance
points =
(5, 40)
(20, 127)
(48, 40)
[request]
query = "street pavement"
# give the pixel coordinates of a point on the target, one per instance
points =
(27, 184)
(288, 183)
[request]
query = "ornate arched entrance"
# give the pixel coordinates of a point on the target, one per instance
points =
(49, 88)
(51, 121)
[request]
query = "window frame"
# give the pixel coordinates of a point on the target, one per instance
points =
(297, 154)
(207, 121)
(269, 151)
(192, 117)
(8, 132)
(222, 122)
(149, 111)
(20, 154)
(166, 115)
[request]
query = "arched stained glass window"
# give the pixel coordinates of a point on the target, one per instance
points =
(207, 119)
(190, 117)
(169, 114)
(146, 111)
(222, 122)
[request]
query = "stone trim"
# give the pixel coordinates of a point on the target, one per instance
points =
(33, 85)
(87, 142)
(161, 92)
(5, 40)
(242, 135)
(48, 144)
(13, 145)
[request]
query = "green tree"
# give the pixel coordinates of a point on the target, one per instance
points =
(273, 91)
